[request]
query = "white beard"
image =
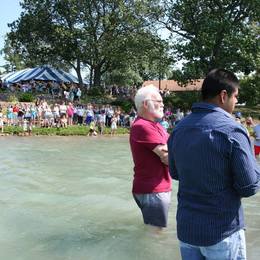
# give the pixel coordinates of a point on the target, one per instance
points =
(157, 113)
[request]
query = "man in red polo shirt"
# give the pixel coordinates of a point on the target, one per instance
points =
(148, 141)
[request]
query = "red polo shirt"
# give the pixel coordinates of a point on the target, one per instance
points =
(150, 174)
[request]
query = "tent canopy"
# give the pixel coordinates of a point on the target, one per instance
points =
(41, 73)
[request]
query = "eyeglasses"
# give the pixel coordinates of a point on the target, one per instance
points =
(156, 100)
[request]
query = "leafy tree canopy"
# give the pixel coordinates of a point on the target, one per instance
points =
(80, 33)
(208, 34)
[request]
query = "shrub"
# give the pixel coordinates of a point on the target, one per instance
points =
(95, 91)
(26, 97)
(12, 98)
(183, 100)
(125, 104)
(69, 131)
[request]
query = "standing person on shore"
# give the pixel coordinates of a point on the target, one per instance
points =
(257, 139)
(101, 120)
(80, 114)
(70, 113)
(148, 140)
(211, 156)
(113, 125)
(1, 121)
(63, 110)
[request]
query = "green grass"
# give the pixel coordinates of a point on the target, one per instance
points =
(254, 112)
(69, 131)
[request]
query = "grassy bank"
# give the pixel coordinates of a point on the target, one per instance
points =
(69, 131)
(249, 111)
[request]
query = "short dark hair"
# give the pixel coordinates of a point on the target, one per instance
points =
(218, 80)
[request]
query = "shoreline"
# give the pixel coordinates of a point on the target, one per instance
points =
(74, 130)
(56, 135)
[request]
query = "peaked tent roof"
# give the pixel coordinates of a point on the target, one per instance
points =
(41, 73)
(11, 74)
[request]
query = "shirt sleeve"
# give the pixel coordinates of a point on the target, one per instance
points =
(148, 136)
(172, 168)
(245, 170)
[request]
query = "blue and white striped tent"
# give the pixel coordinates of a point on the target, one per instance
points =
(12, 74)
(40, 73)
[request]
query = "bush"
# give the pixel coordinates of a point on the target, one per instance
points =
(183, 100)
(69, 131)
(26, 97)
(125, 104)
(12, 98)
(95, 91)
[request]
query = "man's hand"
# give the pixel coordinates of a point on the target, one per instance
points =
(162, 151)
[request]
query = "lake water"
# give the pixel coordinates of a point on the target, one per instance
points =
(70, 198)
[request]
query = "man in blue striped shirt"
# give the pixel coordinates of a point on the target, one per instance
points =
(211, 156)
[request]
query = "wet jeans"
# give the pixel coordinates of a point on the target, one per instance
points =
(231, 248)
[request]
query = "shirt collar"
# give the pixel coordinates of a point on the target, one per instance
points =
(154, 122)
(209, 107)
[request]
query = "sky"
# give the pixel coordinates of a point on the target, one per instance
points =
(10, 11)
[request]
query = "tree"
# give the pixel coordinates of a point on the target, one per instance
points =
(14, 60)
(76, 32)
(250, 90)
(46, 35)
(207, 34)
(143, 56)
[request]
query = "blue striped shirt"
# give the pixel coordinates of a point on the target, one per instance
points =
(211, 156)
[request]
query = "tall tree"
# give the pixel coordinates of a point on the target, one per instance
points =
(147, 57)
(77, 32)
(14, 60)
(47, 35)
(208, 34)
(250, 90)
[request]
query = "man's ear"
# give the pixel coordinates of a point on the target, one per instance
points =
(223, 96)
(145, 103)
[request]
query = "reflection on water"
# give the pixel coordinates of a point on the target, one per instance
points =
(70, 198)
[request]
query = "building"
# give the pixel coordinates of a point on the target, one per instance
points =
(173, 86)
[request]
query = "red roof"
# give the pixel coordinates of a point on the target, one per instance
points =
(173, 85)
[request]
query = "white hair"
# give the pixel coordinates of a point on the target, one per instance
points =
(143, 94)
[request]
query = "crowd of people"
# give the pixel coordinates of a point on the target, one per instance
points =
(68, 110)
(42, 114)
(62, 90)
(68, 91)
(67, 113)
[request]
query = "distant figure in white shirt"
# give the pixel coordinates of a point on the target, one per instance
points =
(1, 121)
(179, 116)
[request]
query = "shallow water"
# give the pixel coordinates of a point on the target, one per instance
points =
(70, 198)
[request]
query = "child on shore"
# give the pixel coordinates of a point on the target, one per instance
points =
(63, 121)
(30, 126)
(113, 125)
(92, 129)
(101, 120)
(27, 127)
